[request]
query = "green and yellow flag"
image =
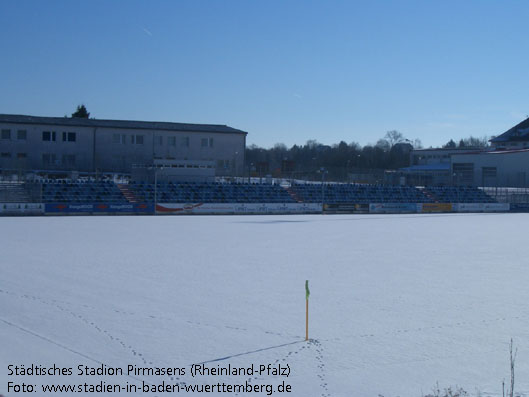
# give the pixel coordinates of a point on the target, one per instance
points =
(307, 291)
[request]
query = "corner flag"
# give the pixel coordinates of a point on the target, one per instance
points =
(307, 294)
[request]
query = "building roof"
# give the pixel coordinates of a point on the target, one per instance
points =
(428, 167)
(520, 132)
(495, 152)
(127, 124)
(454, 149)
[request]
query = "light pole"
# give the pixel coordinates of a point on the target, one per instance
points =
(457, 186)
(250, 166)
(155, 169)
(155, 188)
(323, 171)
(234, 166)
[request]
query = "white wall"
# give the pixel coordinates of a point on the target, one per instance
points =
(512, 168)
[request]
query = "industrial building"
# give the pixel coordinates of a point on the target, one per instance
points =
(468, 167)
(504, 164)
(498, 168)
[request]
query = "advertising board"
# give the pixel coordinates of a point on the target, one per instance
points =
(392, 208)
(55, 208)
(237, 208)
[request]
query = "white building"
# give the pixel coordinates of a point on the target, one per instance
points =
(62, 144)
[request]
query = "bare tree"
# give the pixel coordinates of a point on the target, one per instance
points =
(384, 144)
(417, 143)
(394, 137)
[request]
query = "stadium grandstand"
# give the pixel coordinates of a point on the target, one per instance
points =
(94, 196)
(88, 166)
(359, 193)
(85, 191)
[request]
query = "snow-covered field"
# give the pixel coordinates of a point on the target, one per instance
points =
(398, 302)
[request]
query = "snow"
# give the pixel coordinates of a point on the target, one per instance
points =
(398, 302)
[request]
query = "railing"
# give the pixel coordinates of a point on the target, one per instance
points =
(508, 194)
(14, 192)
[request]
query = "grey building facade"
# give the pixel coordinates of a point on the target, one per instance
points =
(55, 144)
(486, 167)
(500, 168)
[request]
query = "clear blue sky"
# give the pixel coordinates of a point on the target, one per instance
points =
(285, 71)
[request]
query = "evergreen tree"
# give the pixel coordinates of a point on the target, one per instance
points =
(450, 144)
(81, 112)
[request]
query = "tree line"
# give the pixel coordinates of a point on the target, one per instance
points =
(339, 160)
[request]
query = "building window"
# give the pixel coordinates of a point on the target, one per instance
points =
(21, 135)
(6, 155)
(68, 159)
(119, 160)
(119, 138)
(185, 141)
(463, 173)
(171, 141)
(6, 134)
(48, 159)
(49, 136)
(69, 137)
(22, 155)
(158, 140)
(204, 142)
(137, 139)
(210, 142)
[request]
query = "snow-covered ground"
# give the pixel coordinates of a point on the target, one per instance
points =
(398, 302)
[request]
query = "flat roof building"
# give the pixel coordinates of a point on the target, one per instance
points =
(61, 144)
(504, 164)
(505, 168)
